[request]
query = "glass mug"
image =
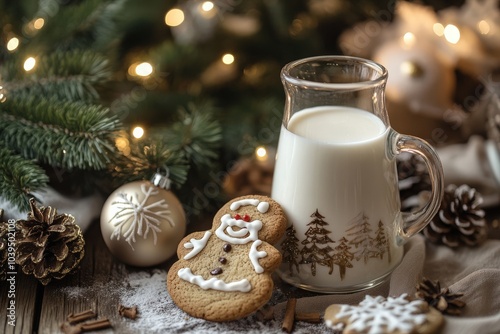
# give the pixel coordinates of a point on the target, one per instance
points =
(336, 177)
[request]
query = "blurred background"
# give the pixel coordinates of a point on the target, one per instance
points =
(96, 93)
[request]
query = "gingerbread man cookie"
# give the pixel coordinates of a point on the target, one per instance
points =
(224, 273)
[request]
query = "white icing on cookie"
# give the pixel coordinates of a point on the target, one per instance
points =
(379, 315)
(214, 283)
(255, 255)
(263, 207)
(336, 327)
(237, 233)
(242, 202)
(197, 245)
(227, 232)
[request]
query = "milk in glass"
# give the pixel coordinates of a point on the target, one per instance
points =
(345, 209)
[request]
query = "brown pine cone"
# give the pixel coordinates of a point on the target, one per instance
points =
(48, 245)
(248, 176)
(441, 299)
(460, 221)
(4, 228)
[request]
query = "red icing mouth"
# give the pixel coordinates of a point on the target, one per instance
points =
(245, 218)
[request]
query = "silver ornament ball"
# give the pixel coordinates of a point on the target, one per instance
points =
(142, 223)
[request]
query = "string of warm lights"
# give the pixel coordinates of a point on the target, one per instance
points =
(142, 69)
(175, 17)
(29, 29)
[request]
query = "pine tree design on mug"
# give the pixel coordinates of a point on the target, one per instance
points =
(343, 257)
(382, 245)
(360, 237)
(360, 242)
(317, 235)
(290, 249)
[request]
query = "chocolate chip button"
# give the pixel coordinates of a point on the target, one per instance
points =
(222, 260)
(227, 248)
(216, 271)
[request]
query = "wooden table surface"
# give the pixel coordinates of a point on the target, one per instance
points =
(42, 309)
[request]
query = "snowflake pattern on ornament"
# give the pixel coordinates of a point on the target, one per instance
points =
(375, 315)
(136, 217)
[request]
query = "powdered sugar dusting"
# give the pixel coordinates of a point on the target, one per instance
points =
(157, 313)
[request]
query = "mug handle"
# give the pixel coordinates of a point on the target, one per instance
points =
(414, 222)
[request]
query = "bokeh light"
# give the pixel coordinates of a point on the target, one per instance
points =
(29, 64)
(38, 23)
(438, 29)
(261, 153)
(174, 17)
(138, 132)
(144, 69)
(452, 33)
(13, 43)
(409, 39)
(483, 27)
(207, 6)
(228, 59)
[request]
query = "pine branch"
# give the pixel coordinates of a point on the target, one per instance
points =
(148, 156)
(61, 134)
(254, 121)
(182, 62)
(72, 76)
(78, 21)
(105, 29)
(198, 134)
(19, 177)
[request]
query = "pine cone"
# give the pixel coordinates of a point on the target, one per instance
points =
(48, 245)
(441, 299)
(459, 221)
(248, 177)
(4, 228)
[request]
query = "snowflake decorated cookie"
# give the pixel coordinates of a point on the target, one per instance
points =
(378, 315)
(224, 273)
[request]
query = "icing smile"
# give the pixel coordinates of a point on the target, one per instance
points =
(214, 283)
(238, 231)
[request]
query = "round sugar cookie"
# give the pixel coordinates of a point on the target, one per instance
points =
(392, 315)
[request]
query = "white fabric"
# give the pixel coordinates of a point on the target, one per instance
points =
(84, 209)
(474, 164)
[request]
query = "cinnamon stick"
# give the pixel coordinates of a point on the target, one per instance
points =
(289, 318)
(79, 317)
(73, 324)
(95, 325)
(128, 312)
